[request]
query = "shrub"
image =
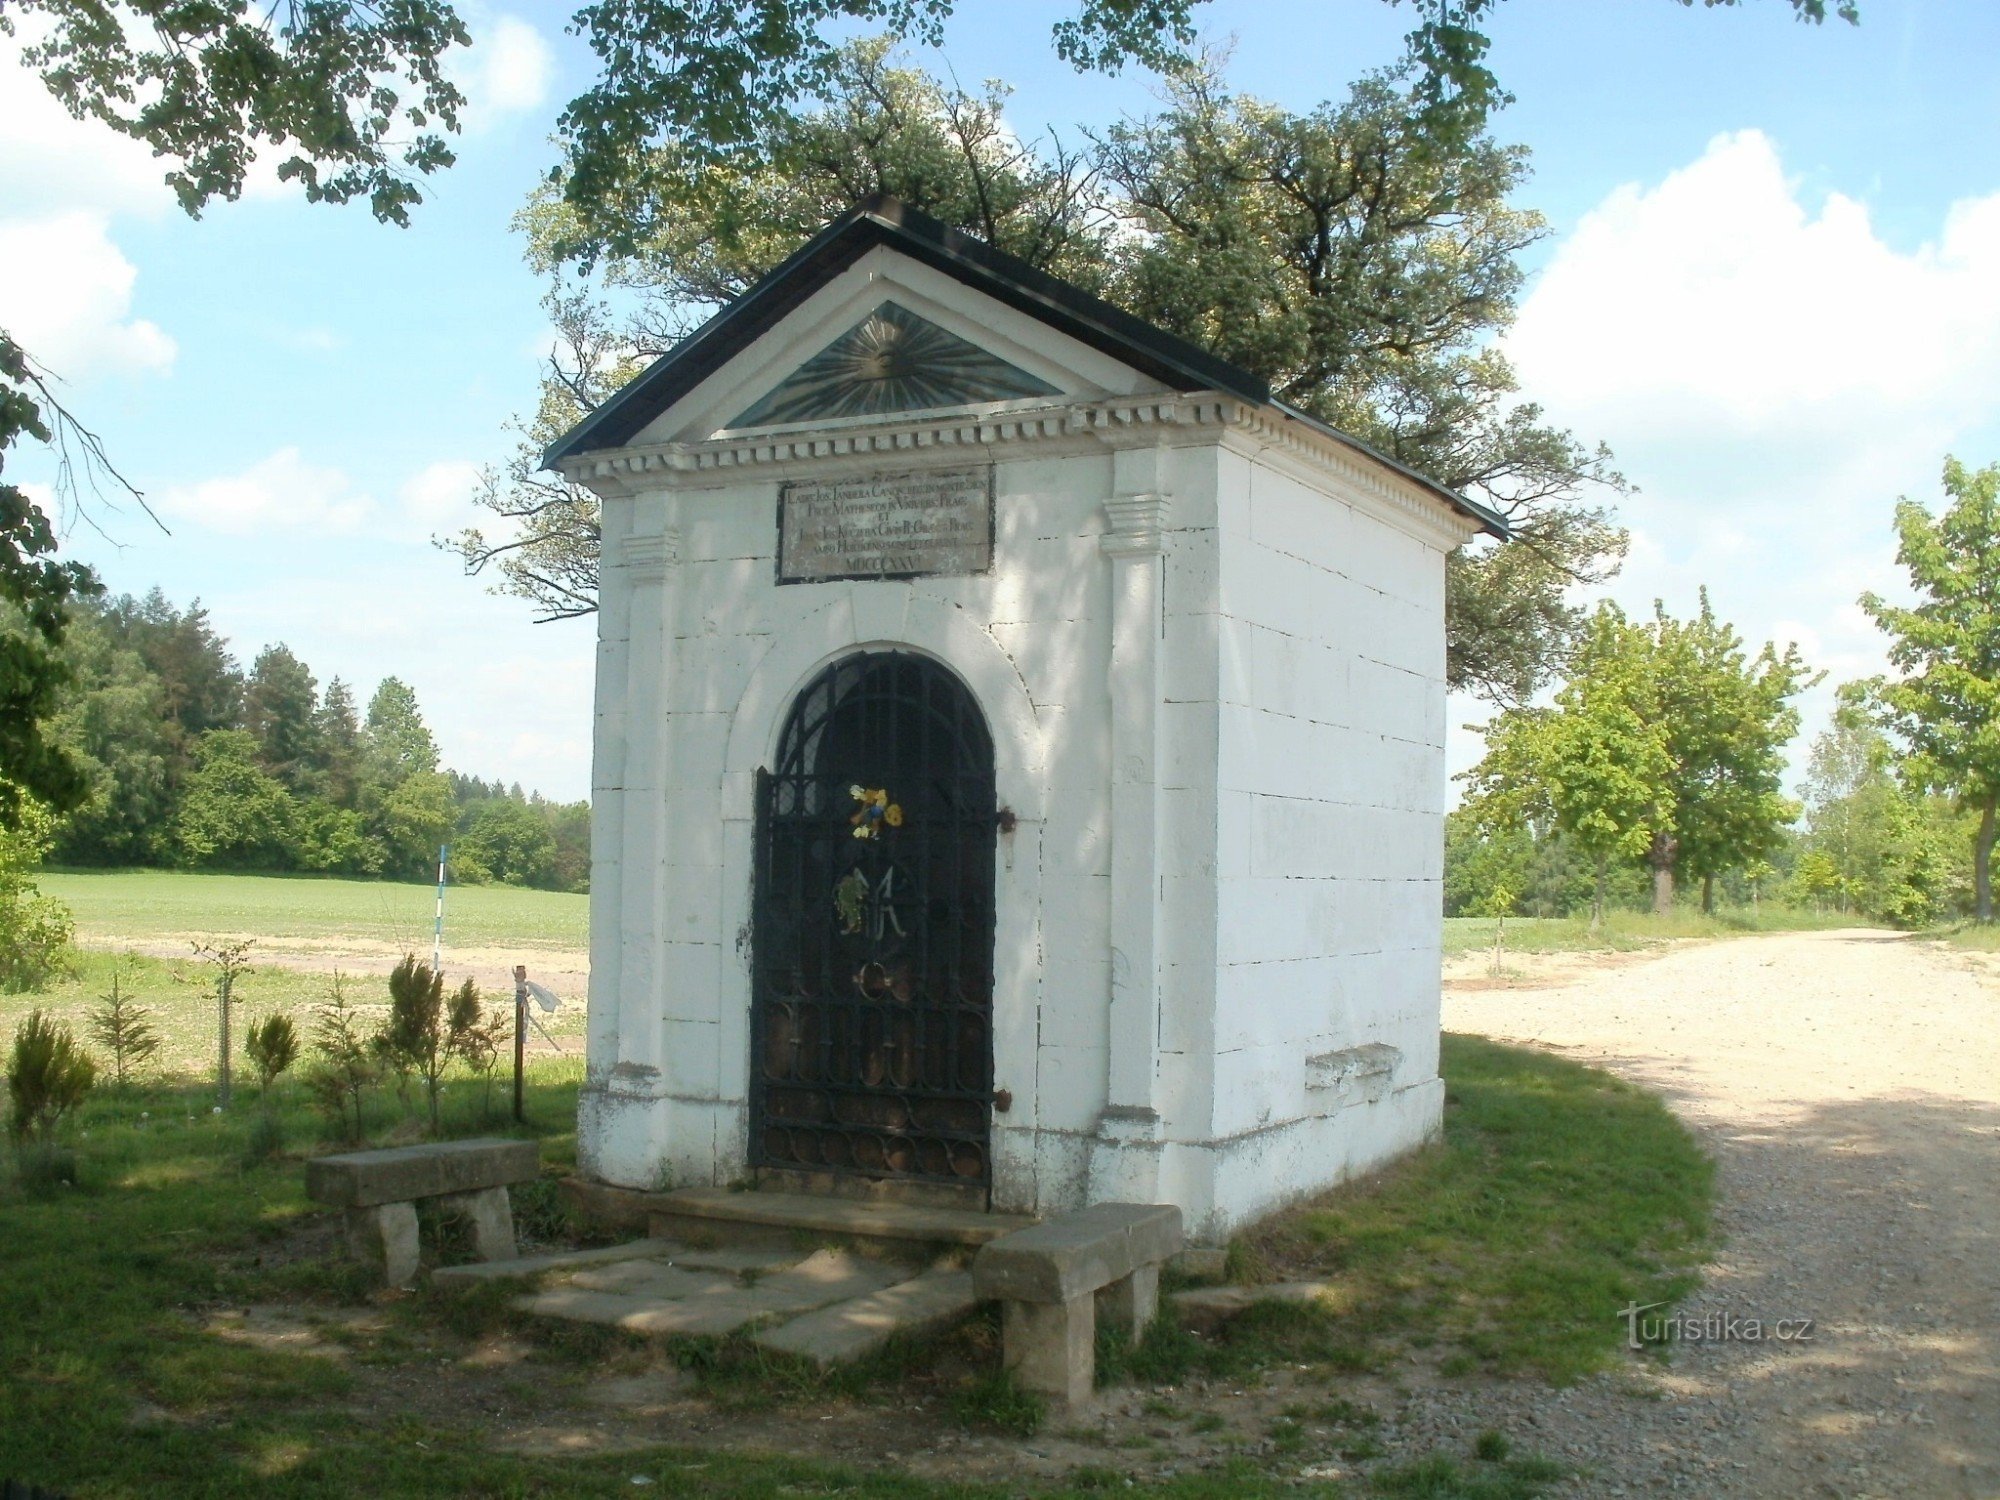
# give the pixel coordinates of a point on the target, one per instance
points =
(273, 1045)
(423, 1034)
(343, 1067)
(125, 1030)
(48, 1076)
(35, 930)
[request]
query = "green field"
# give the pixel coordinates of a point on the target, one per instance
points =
(139, 904)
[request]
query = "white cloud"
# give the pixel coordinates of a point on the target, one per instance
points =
(1718, 306)
(506, 71)
(440, 495)
(50, 161)
(279, 494)
(1773, 374)
(65, 296)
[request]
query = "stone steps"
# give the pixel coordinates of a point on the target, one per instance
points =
(723, 1212)
(829, 1306)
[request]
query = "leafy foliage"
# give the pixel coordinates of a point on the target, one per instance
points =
(1873, 843)
(344, 1063)
(48, 1075)
(189, 760)
(273, 1046)
(209, 86)
(424, 1033)
(35, 930)
(35, 591)
(125, 1029)
(1345, 254)
(1945, 705)
(1666, 742)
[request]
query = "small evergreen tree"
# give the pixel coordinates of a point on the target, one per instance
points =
(343, 1066)
(48, 1076)
(273, 1046)
(424, 1034)
(124, 1028)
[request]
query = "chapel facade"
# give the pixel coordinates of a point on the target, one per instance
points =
(1019, 755)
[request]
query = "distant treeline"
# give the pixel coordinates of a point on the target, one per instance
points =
(197, 764)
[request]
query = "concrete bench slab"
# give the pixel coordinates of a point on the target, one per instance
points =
(1054, 1281)
(404, 1174)
(379, 1191)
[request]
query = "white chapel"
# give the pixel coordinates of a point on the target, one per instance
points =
(1019, 755)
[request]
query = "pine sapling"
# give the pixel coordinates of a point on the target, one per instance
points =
(124, 1028)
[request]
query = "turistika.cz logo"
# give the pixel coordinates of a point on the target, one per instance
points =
(1709, 1328)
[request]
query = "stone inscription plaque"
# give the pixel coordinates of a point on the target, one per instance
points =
(886, 526)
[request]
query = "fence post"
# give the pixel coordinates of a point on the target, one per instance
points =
(520, 1036)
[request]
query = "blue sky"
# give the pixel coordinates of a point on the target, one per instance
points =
(1772, 285)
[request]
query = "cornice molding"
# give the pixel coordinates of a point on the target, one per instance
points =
(915, 441)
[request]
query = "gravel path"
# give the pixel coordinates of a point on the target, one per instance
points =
(1849, 1085)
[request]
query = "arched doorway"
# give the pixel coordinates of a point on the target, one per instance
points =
(872, 938)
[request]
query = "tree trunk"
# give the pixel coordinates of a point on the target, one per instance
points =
(1597, 897)
(1982, 861)
(1665, 847)
(1708, 895)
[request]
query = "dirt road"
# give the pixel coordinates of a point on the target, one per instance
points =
(1849, 1085)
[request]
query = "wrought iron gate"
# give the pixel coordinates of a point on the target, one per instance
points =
(872, 943)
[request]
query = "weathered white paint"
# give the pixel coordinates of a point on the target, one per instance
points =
(1211, 655)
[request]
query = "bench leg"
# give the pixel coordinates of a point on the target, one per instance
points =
(387, 1236)
(1051, 1347)
(1133, 1302)
(492, 1214)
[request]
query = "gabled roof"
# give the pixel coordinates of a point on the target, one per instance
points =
(882, 220)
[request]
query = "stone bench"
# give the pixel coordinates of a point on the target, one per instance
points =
(1054, 1280)
(379, 1192)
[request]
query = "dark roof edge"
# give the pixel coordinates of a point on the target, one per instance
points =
(877, 221)
(881, 220)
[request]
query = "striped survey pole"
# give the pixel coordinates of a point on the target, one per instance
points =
(437, 930)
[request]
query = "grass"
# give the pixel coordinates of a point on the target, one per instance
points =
(1558, 1195)
(1628, 931)
(1980, 937)
(136, 905)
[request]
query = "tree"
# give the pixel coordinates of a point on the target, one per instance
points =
(125, 1029)
(233, 814)
(280, 707)
(396, 744)
(48, 1076)
(231, 961)
(339, 734)
(1727, 718)
(508, 841)
(35, 592)
(1945, 705)
(272, 1046)
(1596, 766)
(1344, 254)
(1872, 842)
(111, 720)
(709, 79)
(1666, 742)
(1363, 267)
(35, 930)
(344, 1066)
(423, 1034)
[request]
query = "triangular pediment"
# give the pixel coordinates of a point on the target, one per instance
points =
(892, 361)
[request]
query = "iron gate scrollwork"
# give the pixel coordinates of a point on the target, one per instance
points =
(872, 940)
